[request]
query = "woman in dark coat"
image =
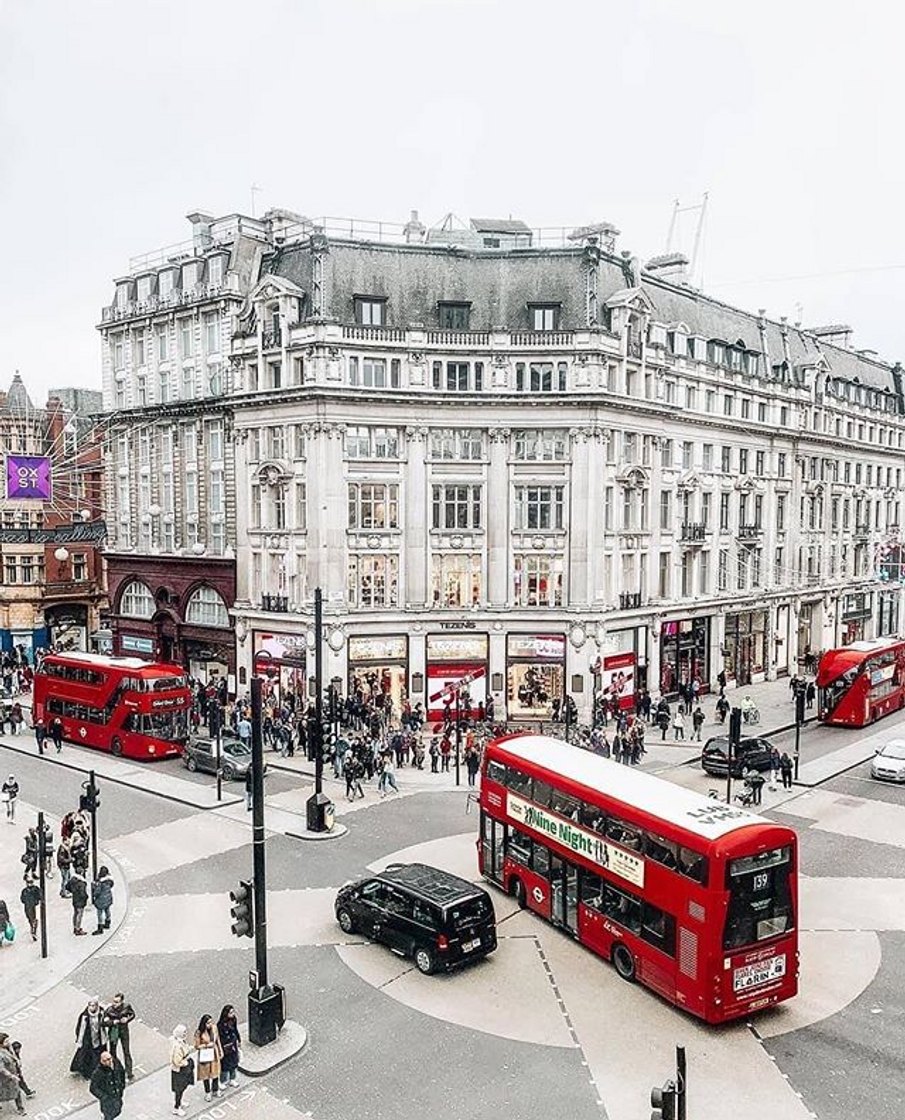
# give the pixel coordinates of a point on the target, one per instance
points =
(230, 1040)
(91, 1038)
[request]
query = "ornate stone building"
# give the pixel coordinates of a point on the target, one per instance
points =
(538, 465)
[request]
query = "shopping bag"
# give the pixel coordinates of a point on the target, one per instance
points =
(10, 932)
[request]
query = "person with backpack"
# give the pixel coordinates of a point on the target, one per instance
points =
(78, 893)
(785, 765)
(697, 722)
(102, 899)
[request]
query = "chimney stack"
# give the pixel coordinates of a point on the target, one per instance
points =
(414, 230)
(201, 230)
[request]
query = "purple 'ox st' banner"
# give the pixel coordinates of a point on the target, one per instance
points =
(28, 476)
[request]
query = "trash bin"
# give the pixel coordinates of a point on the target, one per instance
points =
(320, 813)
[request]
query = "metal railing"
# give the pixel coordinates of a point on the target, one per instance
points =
(629, 600)
(694, 531)
(279, 604)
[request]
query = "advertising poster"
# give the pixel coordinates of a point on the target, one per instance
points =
(28, 476)
(618, 679)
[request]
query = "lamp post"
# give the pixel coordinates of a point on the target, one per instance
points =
(458, 737)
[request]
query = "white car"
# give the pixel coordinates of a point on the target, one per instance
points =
(889, 762)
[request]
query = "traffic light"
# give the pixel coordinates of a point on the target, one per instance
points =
(242, 910)
(663, 1102)
(90, 800)
(799, 705)
(735, 728)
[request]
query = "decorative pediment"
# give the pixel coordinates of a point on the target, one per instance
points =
(633, 477)
(747, 485)
(636, 299)
(690, 480)
(272, 287)
(814, 488)
(273, 473)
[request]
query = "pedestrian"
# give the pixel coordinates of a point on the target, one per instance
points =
(102, 899)
(117, 1018)
(64, 863)
(810, 694)
(30, 855)
(210, 1053)
(785, 765)
(40, 734)
(721, 680)
(182, 1067)
(755, 783)
(434, 752)
(774, 767)
(10, 792)
(31, 900)
(91, 1039)
(445, 752)
(231, 1041)
(722, 708)
(56, 733)
(243, 730)
(78, 892)
(10, 1089)
(108, 1083)
(387, 776)
(793, 684)
(697, 722)
(5, 925)
(678, 725)
(617, 747)
(249, 789)
(16, 1048)
(16, 718)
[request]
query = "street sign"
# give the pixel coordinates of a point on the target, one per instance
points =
(253, 984)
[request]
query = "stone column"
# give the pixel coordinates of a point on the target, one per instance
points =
(579, 591)
(416, 504)
(497, 520)
(327, 508)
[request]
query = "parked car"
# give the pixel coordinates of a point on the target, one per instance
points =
(752, 754)
(436, 918)
(201, 754)
(888, 763)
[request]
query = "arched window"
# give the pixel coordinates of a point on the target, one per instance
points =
(207, 608)
(136, 600)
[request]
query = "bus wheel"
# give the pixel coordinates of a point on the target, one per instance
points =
(517, 890)
(117, 746)
(623, 962)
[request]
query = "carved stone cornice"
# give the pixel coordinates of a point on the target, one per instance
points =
(416, 433)
(499, 435)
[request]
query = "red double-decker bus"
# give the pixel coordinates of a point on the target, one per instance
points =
(139, 709)
(695, 898)
(861, 682)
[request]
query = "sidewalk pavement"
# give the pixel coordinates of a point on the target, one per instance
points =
(25, 975)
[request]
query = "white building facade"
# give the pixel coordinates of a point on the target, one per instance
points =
(535, 467)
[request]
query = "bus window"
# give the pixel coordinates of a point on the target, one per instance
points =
(565, 805)
(592, 890)
(593, 818)
(519, 783)
(496, 772)
(624, 834)
(518, 847)
(622, 908)
(693, 865)
(658, 928)
(760, 900)
(541, 860)
(542, 793)
(662, 851)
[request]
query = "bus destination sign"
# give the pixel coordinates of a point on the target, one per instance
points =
(578, 840)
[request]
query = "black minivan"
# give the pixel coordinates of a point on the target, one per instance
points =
(437, 919)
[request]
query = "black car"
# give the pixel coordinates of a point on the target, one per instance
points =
(752, 754)
(200, 753)
(437, 919)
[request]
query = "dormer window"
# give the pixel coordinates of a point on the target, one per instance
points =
(144, 288)
(122, 295)
(215, 271)
(165, 282)
(189, 276)
(454, 316)
(370, 311)
(544, 316)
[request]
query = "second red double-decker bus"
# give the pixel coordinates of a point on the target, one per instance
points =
(695, 898)
(139, 709)
(861, 682)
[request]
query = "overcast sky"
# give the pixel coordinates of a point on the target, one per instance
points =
(118, 118)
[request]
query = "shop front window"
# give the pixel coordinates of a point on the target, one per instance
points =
(684, 653)
(744, 645)
(536, 675)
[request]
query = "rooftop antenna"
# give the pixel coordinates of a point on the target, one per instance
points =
(254, 190)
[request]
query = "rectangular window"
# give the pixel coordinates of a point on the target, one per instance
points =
(728, 405)
(743, 461)
(455, 579)
(780, 512)
(666, 510)
(663, 585)
(186, 337)
(374, 373)
(538, 581)
(370, 311)
(540, 377)
(212, 334)
(687, 455)
(707, 457)
(301, 506)
(163, 348)
(454, 316)
(726, 460)
(215, 272)
(710, 400)
(724, 512)
(762, 411)
(539, 507)
(373, 505)
(276, 442)
(746, 408)
(544, 316)
(608, 509)
(665, 452)
(456, 507)
(704, 574)
(456, 444)
(372, 443)
(373, 581)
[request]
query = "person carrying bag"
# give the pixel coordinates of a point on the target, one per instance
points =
(182, 1067)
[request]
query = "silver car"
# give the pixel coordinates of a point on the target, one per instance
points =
(889, 762)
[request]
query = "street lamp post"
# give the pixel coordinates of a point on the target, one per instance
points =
(42, 881)
(799, 720)
(458, 737)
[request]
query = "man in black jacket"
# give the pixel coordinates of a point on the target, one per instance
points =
(108, 1083)
(117, 1018)
(78, 892)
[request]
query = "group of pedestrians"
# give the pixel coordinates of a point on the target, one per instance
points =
(211, 1058)
(13, 1086)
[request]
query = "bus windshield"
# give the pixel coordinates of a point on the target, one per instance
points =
(760, 898)
(169, 726)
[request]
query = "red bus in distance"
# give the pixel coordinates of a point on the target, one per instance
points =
(694, 898)
(138, 709)
(861, 682)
